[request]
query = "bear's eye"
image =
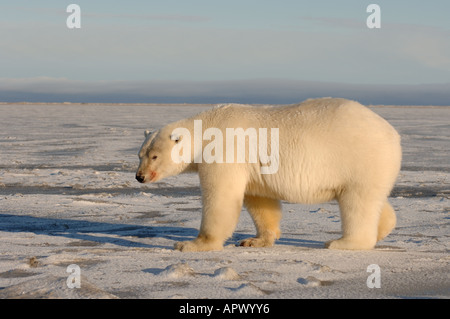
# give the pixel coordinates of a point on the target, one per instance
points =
(154, 157)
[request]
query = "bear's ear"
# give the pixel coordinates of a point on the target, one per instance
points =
(147, 133)
(176, 138)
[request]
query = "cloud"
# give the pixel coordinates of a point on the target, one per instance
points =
(349, 23)
(61, 12)
(150, 17)
(189, 51)
(270, 91)
(426, 45)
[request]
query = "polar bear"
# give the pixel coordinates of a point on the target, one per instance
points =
(328, 149)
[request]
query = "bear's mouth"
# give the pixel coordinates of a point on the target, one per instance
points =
(153, 176)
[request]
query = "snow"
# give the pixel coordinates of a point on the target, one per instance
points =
(68, 196)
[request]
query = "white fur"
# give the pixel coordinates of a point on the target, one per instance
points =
(328, 149)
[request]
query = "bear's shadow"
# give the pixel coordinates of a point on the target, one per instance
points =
(88, 231)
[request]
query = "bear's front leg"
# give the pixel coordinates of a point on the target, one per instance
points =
(219, 218)
(222, 196)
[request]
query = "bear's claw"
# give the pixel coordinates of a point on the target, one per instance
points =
(256, 242)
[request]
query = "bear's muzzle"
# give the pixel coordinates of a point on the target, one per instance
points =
(140, 178)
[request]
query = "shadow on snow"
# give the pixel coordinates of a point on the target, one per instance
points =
(89, 231)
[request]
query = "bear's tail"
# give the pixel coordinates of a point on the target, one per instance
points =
(387, 221)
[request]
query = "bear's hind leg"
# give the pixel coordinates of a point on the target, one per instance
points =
(360, 218)
(266, 214)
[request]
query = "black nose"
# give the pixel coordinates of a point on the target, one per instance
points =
(140, 178)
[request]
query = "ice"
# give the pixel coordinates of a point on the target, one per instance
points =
(68, 195)
(310, 281)
(55, 288)
(178, 271)
(226, 273)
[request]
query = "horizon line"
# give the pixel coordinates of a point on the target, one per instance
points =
(256, 91)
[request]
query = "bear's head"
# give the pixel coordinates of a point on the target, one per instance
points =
(155, 156)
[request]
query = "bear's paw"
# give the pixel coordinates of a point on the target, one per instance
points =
(256, 242)
(197, 245)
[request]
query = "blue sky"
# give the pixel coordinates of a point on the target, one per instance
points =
(175, 46)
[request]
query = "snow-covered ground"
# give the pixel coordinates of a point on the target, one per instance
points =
(68, 196)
